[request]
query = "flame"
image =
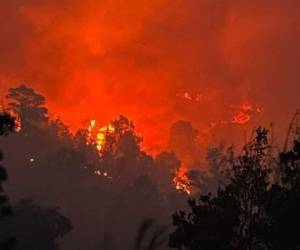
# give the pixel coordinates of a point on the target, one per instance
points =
(181, 180)
(12, 113)
(241, 115)
(244, 113)
(191, 97)
(18, 124)
(251, 108)
(90, 131)
(100, 138)
(98, 172)
(241, 118)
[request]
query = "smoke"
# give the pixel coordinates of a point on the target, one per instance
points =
(99, 59)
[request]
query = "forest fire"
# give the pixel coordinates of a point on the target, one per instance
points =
(191, 97)
(149, 124)
(181, 180)
(244, 114)
(241, 118)
(101, 133)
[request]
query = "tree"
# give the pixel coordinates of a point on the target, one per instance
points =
(166, 164)
(121, 156)
(290, 167)
(235, 218)
(283, 203)
(219, 159)
(28, 105)
(33, 227)
(7, 124)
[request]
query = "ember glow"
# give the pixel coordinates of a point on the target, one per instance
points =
(241, 118)
(244, 113)
(98, 136)
(181, 180)
(101, 136)
(191, 97)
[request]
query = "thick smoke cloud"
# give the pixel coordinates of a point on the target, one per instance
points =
(97, 59)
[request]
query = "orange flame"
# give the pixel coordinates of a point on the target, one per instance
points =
(241, 118)
(100, 138)
(181, 180)
(191, 97)
(244, 114)
(90, 131)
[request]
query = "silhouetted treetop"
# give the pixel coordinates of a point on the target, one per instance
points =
(7, 123)
(236, 217)
(29, 105)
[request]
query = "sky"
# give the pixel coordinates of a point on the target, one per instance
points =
(156, 61)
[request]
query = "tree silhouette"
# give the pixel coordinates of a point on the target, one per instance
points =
(283, 203)
(7, 124)
(33, 227)
(122, 156)
(235, 218)
(166, 164)
(219, 161)
(29, 106)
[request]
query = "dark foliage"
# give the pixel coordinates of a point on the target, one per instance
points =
(29, 106)
(7, 124)
(33, 227)
(149, 237)
(249, 212)
(59, 169)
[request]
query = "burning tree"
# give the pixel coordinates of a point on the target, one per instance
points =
(121, 154)
(238, 216)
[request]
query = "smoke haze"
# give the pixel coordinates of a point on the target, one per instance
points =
(98, 59)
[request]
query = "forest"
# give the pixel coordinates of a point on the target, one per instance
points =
(60, 191)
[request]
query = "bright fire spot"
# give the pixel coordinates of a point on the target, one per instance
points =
(241, 118)
(245, 112)
(101, 136)
(191, 97)
(105, 174)
(17, 127)
(251, 108)
(90, 131)
(181, 180)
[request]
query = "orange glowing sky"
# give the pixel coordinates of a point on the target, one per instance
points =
(96, 59)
